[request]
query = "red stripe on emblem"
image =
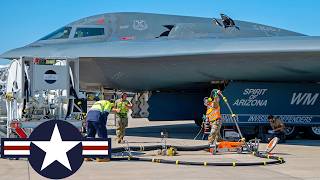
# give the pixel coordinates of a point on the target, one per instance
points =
(16, 148)
(95, 147)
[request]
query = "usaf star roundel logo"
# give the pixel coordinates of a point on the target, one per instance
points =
(54, 157)
(55, 149)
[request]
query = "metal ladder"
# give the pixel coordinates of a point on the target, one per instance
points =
(206, 129)
(3, 126)
(3, 120)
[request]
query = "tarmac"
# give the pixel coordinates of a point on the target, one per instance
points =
(302, 158)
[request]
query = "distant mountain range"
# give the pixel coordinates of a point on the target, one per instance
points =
(4, 62)
(4, 66)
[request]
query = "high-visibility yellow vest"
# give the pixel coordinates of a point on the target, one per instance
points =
(102, 106)
(213, 113)
(109, 107)
(122, 105)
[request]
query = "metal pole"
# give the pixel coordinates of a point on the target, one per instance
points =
(115, 114)
(234, 120)
(233, 116)
(9, 111)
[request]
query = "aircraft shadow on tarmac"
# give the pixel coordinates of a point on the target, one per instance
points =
(177, 131)
(189, 131)
(282, 154)
(303, 142)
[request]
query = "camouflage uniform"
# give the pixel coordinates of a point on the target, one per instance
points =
(214, 117)
(215, 131)
(122, 118)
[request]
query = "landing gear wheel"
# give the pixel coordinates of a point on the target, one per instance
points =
(135, 107)
(144, 105)
(291, 132)
(313, 132)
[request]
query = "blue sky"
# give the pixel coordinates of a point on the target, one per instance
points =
(24, 21)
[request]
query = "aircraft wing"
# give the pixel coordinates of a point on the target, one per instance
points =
(165, 63)
(167, 47)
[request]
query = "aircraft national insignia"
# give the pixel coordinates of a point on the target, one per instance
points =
(55, 149)
(140, 25)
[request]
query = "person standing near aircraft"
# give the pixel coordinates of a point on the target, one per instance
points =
(213, 115)
(97, 118)
(122, 106)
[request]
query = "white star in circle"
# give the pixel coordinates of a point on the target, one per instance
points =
(56, 149)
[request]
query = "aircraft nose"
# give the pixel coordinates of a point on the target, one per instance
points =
(13, 54)
(26, 51)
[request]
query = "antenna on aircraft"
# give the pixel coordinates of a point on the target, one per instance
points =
(217, 22)
(226, 21)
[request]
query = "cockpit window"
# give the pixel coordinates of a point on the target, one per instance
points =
(86, 32)
(62, 33)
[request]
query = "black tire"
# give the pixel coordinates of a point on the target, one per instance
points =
(291, 132)
(313, 132)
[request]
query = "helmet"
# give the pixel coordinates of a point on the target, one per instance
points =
(214, 93)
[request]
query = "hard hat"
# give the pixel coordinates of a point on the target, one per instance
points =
(214, 93)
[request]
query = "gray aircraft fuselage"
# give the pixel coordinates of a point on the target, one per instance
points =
(141, 51)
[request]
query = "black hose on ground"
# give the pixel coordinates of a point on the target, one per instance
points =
(191, 148)
(136, 148)
(271, 159)
(156, 147)
(193, 163)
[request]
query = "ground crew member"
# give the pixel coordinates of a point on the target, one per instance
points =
(278, 128)
(97, 121)
(213, 115)
(122, 107)
(97, 118)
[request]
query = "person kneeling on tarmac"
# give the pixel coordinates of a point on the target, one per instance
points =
(97, 121)
(213, 115)
(277, 128)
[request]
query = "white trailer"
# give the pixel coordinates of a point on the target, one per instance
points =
(38, 90)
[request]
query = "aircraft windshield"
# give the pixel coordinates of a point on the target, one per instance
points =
(86, 32)
(62, 33)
